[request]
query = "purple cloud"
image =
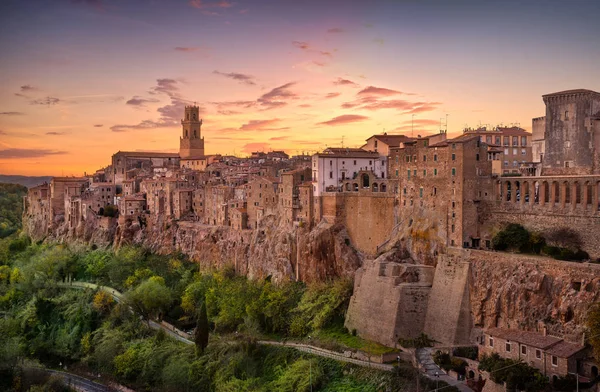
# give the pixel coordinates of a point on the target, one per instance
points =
(240, 77)
(18, 153)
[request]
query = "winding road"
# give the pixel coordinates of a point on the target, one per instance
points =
(423, 355)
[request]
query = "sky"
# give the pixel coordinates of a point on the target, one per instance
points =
(83, 79)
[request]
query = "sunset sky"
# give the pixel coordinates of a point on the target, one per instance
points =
(81, 79)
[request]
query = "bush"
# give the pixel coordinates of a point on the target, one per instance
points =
(110, 211)
(466, 352)
(513, 237)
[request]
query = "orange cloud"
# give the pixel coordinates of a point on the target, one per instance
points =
(252, 147)
(380, 91)
(344, 119)
(344, 82)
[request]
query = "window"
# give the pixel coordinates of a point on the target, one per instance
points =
(566, 115)
(435, 158)
(476, 157)
(405, 190)
(497, 140)
(330, 163)
(370, 163)
(453, 171)
(435, 172)
(488, 139)
(409, 174)
(375, 143)
(515, 151)
(408, 158)
(515, 163)
(454, 157)
(523, 151)
(414, 158)
(505, 163)
(523, 141)
(424, 173)
(415, 172)
(454, 146)
(554, 361)
(424, 158)
(330, 174)
(506, 141)
(524, 350)
(396, 172)
(506, 151)
(453, 228)
(421, 192)
(507, 347)
(515, 140)
(538, 354)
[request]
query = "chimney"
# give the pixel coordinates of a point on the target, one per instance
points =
(545, 331)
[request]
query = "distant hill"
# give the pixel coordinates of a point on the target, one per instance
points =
(24, 180)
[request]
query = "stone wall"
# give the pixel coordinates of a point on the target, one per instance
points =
(449, 318)
(389, 300)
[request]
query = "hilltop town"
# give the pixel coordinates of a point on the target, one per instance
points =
(412, 219)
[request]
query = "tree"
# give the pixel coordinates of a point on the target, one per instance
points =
(150, 298)
(593, 324)
(201, 333)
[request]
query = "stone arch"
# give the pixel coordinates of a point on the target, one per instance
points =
(348, 186)
(567, 190)
(525, 192)
(383, 188)
(365, 180)
(355, 186)
(471, 374)
(518, 191)
(375, 187)
(508, 190)
(555, 192)
(577, 199)
(589, 191)
(595, 371)
(536, 192)
(546, 195)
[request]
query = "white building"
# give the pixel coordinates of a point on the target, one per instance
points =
(334, 165)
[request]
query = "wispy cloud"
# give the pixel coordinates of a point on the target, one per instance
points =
(262, 125)
(139, 101)
(380, 91)
(187, 48)
(240, 77)
(344, 82)
(45, 101)
(278, 96)
(278, 138)
(12, 113)
(208, 7)
(344, 119)
(53, 133)
(98, 125)
(308, 48)
(335, 30)
(27, 87)
(170, 114)
(332, 95)
(18, 153)
(301, 45)
(252, 147)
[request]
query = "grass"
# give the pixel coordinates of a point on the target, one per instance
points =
(338, 335)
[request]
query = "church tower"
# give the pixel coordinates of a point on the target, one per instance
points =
(191, 144)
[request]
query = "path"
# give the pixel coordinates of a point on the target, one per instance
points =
(424, 357)
(77, 382)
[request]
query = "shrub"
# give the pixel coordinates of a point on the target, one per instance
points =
(565, 238)
(513, 237)
(110, 211)
(466, 352)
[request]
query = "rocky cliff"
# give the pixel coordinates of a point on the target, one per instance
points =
(273, 249)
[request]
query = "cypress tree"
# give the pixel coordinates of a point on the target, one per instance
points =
(201, 334)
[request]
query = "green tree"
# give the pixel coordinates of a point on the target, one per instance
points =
(151, 298)
(593, 324)
(201, 333)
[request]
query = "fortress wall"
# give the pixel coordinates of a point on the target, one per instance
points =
(369, 220)
(587, 227)
(449, 319)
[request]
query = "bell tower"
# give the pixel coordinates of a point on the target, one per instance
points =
(191, 144)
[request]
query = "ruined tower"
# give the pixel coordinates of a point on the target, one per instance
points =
(191, 144)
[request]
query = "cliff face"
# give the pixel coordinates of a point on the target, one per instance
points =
(273, 248)
(527, 292)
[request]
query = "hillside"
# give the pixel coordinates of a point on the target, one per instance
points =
(24, 180)
(11, 208)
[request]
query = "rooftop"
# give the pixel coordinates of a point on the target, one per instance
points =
(145, 154)
(390, 140)
(533, 339)
(570, 92)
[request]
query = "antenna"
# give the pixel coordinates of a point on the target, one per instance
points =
(447, 122)
(342, 141)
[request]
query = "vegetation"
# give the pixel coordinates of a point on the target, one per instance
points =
(11, 208)
(517, 375)
(566, 243)
(447, 362)
(593, 324)
(51, 324)
(466, 352)
(419, 342)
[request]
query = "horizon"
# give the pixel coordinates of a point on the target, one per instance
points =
(84, 79)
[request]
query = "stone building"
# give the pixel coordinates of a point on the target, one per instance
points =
(262, 199)
(553, 356)
(446, 179)
(216, 204)
(124, 161)
(334, 165)
(572, 133)
(293, 202)
(182, 202)
(61, 189)
(515, 142)
(191, 142)
(132, 206)
(381, 144)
